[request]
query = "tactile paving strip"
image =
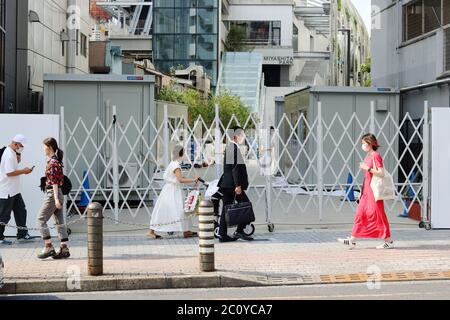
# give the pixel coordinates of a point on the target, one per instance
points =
(358, 277)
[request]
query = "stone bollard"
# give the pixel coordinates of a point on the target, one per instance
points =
(206, 235)
(95, 239)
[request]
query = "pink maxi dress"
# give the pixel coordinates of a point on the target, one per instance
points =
(370, 219)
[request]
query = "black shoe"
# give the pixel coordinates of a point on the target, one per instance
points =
(240, 235)
(227, 239)
(26, 238)
(47, 253)
(63, 253)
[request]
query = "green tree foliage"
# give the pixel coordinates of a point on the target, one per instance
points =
(205, 107)
(339, 4)
(235, 38)
(347, 14)
(366, 69)
(229, 105)
(367, 66)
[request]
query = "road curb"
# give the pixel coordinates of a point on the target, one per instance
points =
(122, 283)
(210, 280)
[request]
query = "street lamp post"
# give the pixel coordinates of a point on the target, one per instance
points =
(348, 31)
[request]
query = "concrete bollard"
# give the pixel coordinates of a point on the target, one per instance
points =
(95, 239)
(206, 235)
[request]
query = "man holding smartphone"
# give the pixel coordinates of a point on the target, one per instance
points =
(10, 197)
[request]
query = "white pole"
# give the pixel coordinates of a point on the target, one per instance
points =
(320, 159)
(372, 117)
(426, 159)
(267, 170)
(217, 142)
(166, 137)
(62, 142)
(115, 166)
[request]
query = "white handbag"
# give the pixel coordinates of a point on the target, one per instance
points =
(383, 185)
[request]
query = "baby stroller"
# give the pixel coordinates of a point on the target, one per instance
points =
(213, 193)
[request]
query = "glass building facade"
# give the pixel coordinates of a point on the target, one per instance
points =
(186, 33)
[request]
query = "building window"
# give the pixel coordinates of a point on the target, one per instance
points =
(2, 13)
(432, 15)
(423, 16)
(186, 20)
(165, 20)
(446, 11)
(260, 32)
(295, 38)
(413, 20)
(186, 33)
(77, 42)
(84, 45)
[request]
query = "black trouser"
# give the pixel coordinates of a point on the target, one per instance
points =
(228, 198)
(16, 205)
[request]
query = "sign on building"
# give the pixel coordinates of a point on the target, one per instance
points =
(279, 60)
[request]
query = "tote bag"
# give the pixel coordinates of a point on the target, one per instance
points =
(191, 202)
(383, 185)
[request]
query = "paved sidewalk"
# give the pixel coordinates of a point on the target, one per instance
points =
(303, 254)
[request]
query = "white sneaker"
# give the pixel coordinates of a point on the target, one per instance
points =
(386, 245)
(347, 241)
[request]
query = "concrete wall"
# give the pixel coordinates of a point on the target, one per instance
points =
(175, 111)
(93, 97)
(345, 103)
(44, 45)
(404, 64)
(271, 94)
(10, 56)
(398, 63)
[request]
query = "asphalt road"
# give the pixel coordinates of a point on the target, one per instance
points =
(420, 290)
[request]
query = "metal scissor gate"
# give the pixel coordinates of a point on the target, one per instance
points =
(300, 169)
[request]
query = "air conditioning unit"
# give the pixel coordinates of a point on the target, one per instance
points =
(126, 176)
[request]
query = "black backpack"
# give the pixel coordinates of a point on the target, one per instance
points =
(67, 186)
(2, 150)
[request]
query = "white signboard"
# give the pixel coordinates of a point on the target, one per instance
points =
(440, 175)
(279, 60)
(36, 128)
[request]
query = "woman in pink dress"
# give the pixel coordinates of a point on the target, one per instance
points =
(370, 219)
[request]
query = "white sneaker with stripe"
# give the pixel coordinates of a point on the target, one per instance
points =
(386, 245)
(348, 242)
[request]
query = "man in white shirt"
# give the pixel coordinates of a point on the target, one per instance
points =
(10, 197)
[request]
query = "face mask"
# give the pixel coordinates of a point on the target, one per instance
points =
(365, 147)
(19, 150)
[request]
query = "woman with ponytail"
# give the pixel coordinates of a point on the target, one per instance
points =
(53, 200)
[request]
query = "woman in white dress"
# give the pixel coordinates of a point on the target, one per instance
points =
(170, 204)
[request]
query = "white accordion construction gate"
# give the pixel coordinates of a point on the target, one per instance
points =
(297, 168)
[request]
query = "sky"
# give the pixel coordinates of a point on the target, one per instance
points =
(364, 9)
